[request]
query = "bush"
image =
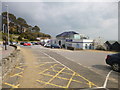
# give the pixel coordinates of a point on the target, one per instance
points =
(70, 48)
(78, 49)
(100, 47)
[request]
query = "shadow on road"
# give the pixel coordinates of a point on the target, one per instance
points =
(102, 67)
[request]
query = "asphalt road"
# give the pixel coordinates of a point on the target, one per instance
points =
(59, 68)
(90, 64)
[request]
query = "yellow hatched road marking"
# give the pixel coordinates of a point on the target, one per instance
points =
(64, 78)
(63, 72)
(48, 68)
(41, 65)
(89, 82)
(51, 84)
(55, 75)
(70, 80)
(20, 68)
(13, 86)
(18, 74)
(47, 74)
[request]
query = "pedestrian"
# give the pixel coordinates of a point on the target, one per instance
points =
(5, 45)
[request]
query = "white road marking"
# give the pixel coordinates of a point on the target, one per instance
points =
(55, 60)
(105, 83)
(107, 77)
(106, 80)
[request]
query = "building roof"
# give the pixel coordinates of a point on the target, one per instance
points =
(66, 34)
(112, 42)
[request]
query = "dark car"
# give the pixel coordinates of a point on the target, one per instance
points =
(114, 61)
(55, 46)
(22, 43)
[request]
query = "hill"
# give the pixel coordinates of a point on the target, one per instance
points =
(20, 28)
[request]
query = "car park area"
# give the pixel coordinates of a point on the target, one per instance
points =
(59, 68)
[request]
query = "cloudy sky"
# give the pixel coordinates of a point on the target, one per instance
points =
(93, 19)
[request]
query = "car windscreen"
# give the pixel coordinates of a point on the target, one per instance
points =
(118, 54)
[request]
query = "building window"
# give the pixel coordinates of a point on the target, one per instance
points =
(60, 43)
(90, 46)
(77, 45)
(86, 46)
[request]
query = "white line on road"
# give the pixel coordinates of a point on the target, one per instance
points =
(106, 80)
(55, 60)
(107, 77)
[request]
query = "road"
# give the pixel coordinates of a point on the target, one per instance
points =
(58, 68)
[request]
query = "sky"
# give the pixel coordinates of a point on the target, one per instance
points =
(94, 19)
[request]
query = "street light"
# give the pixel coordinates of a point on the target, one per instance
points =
(3, 28)
(7, 23)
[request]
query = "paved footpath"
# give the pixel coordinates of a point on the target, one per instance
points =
(4, 53)
(7, 52)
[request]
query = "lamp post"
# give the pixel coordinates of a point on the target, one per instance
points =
(3, 28)
(7, 23)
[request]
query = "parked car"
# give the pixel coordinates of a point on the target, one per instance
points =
(22, 43)
(33, 43)
(47, 45)
(13, 43)
(27, 44)
(55, 46)
(114, 61)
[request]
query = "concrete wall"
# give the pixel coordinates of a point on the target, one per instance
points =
(10, 62)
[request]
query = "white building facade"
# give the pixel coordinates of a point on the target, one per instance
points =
(80, 43)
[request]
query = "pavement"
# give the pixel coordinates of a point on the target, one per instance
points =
(50, 68)
(4, 53)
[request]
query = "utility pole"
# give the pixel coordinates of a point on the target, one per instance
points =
(3, 28)
(8, 23)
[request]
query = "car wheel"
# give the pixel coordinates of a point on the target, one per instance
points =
(115, 66)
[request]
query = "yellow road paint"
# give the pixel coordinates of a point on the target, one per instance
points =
(90, 85)
(18, 74)
(89, 82)
(41, 65)
(63, 72)
(47, 74)
(62, 78)
(55, 75)
(48, 68)
(20, 68)
(13, 86)
(51, 84)
(70, 80)
(77, 81)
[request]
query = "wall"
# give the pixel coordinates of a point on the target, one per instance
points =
(10, 62)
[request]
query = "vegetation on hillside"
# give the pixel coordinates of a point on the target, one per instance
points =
(20, 28)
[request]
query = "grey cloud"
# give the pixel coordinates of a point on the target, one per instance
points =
(91, 18)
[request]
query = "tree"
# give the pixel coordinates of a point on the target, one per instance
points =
(20, 38)
(36, 29)
(21, 20)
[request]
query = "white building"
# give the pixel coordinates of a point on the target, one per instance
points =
(80, 43)
(77, 41)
